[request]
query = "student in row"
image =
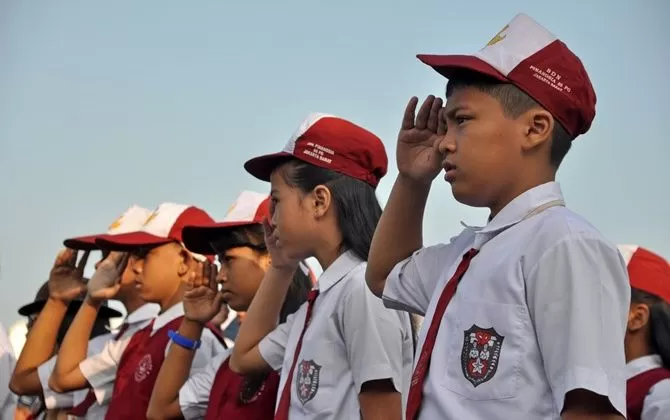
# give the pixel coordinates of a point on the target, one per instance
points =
(342, 355)
(161, 266)
(216, 392)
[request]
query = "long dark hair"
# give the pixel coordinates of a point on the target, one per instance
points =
(358, 209)
(252, 236)
(659, 323)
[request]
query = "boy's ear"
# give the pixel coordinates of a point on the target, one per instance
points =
(186, 262)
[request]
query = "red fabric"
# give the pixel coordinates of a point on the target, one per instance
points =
(138, 370)
(416, 387)
(331, 143)
(285, 401)
(225, 401)
(650, 273)
(638, 387)
(81, 409)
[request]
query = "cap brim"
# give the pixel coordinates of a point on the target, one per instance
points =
(37, 306)
(261, 167)
(448, 65)
(129, 241)
(83, 243)
(199, 238)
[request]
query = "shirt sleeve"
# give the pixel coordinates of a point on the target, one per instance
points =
(657, 402)
(194, 394)
(411, 283)
(273, 345)
(100, 369)
(378, 341)
(578, 296)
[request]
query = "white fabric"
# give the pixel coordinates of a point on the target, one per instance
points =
(305, 125)
(518, 40)
(245, 207)
(194, 394)
(552, 287)
(130, 221)
(8, 399)
(161, 221)
(657, 403)
(100, 369)
(351, 339)
(54, 399)
(627, 251)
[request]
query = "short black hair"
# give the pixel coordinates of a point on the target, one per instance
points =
(356, 204)
(514, 102)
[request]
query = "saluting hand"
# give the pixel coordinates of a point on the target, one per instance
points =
(106, 281)
(279, 258)
(66, 279)
(202, 300)
(416, 153)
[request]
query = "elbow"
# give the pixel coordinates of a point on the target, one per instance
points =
(154, 412)
(375, 282)
(235, 366)
(55, 385)
(16, 386)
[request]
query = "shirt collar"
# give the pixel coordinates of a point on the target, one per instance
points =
(163, 319)
(145, 312)
(643, 364)
(346, 262)
(518, 209)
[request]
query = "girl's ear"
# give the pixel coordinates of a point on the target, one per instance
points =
(322, 200)
(638, 316)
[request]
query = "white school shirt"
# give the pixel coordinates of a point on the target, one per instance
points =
(194, 394)
(351, 339)
(52, 400)
(657, 403)
(549, 294)
(100, 369)
(8, 399)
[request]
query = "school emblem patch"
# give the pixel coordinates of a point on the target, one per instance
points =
(307, 380)
(143, 368)
(480, 354)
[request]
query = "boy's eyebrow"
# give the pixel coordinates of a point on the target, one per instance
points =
(451, 113)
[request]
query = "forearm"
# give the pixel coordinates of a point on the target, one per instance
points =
(173, 374)
(261, 318)
(39, 347)
(66, 375)
(399, 232)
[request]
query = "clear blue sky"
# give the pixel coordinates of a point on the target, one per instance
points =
(106, 104)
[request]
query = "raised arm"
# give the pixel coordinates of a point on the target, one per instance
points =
(399, 232)
(201, 302)
(65, 284)
(67, 376)
(263, 313)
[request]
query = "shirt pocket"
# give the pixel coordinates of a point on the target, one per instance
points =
(484, 350)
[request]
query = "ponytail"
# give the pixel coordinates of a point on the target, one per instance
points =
(659, 323)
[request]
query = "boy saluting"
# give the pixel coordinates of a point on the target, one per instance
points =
(536, 325)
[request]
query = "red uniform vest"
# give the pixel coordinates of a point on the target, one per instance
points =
(638, 387)
(138, 369)
(227, 400)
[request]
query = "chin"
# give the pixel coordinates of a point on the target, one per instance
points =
(465, 195)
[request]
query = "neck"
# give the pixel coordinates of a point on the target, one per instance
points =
(635, 348)
(540, 177)
(172, 300)
(132, 303)
(329, 246)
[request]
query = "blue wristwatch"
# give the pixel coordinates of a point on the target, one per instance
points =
(182, 341)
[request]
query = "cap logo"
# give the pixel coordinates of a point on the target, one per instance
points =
(115, 224)
(319, 152)
(151, 217)
(498, 37)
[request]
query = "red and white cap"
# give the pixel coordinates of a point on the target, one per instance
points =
(164, 225)
(647, 271)
(130, 221)
(250, 208)
(332, 143)
(530, 57)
